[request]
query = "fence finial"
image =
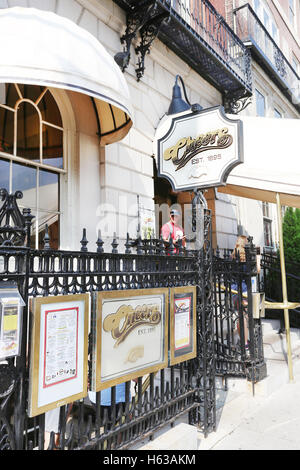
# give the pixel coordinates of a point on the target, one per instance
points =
(84, 241)
(161, 246)
(47, 239)
(99, 243)
(127, 245)
(114, 244)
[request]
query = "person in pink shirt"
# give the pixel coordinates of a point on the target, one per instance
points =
(173, 229)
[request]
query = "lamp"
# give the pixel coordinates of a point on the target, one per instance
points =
(178, 105)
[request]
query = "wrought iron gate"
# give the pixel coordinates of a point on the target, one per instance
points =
(238, 335)
(187, 388)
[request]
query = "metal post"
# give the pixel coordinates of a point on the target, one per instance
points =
(284, 289)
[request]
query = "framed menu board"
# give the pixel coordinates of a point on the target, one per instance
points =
(59, 353)
(182, 324)
(130, 335)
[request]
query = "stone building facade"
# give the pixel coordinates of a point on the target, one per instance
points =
(113, 188)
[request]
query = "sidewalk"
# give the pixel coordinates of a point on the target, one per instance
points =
(269, 420)
(258, 423)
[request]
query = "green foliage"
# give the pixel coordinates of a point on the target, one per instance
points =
(291, 235)
(273, 288)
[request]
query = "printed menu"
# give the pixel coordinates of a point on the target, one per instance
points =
(61, 345)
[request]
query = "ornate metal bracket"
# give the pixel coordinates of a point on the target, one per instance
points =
(236, 101)
(148, 33)
(145, 18)
(14, 226)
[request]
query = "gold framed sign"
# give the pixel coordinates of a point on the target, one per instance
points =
(59, 351)
(183, 326)
(130, 335)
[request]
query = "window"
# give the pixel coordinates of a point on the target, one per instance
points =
(277, 114)
(292, 12)
(263, 12)
(260, 104)
(31, 154)
(274, 32)
(257, 6)
(266, 19)
(295, 64)
(267, 222)
(268, 232)
(266, 209)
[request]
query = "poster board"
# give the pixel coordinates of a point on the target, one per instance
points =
(11, 319)
(130, 335)
(59, 352)
(183, 326)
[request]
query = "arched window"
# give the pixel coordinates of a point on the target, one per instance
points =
(31, 153)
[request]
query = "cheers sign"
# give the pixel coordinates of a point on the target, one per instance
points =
(216, 140)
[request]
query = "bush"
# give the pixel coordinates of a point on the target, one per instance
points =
(272, 282)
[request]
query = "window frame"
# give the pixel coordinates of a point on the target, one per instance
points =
(14, 155)
(257, 92)
(292, 14)
(267, 222)
(277, 113)
(38, 165)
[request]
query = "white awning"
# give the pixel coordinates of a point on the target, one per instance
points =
(271, 161)
(42, 48)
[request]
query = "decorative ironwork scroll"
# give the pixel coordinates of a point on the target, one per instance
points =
(145, 18)
(14, 226)
(237, 101)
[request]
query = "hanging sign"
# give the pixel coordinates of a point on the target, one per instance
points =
(59, 354)
(130, 335)
(199, 150)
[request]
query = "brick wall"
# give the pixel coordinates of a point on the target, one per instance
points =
(225, 8)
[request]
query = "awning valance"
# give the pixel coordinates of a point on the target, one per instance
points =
(271, 161)
(42, 48)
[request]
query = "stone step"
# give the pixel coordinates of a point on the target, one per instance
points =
(276, 357)
(270, 326)
(277, 376)
(275, 346)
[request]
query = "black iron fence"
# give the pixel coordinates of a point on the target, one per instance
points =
(229, 339)
(249, 27)
(238, 334)
(154, 401)
(271, 284)
(205, 21)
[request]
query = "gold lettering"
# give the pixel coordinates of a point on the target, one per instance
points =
(141, 315)
(218, 139)
(172, 152)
